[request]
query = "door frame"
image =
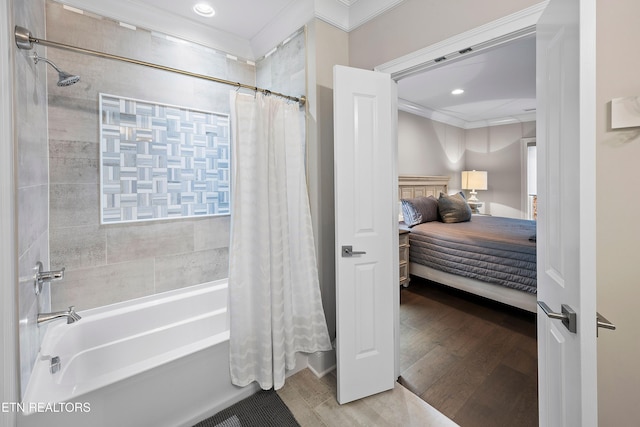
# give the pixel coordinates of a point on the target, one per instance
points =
(511, 27)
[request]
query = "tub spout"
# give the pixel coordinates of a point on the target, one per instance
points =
(70, 314)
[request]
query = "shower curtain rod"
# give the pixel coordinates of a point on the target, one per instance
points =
(24, 40)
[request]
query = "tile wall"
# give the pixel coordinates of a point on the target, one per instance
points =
(116, 262)
(32, 182)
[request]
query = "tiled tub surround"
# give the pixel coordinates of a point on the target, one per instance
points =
(32, 184)
(116, 262)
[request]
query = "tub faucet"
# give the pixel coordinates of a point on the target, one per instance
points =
(70, 314)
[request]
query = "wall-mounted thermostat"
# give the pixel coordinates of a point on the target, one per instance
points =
(625, 112)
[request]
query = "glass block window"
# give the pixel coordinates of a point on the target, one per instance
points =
(161, 161)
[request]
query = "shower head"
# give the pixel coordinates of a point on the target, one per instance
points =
(64, 79)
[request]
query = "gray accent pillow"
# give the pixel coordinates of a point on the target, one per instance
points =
(419, 210)
(453, 208)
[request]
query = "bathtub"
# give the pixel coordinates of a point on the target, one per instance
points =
(161, 360)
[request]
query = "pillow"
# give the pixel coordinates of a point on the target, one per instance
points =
(453, 208)
(419, 210)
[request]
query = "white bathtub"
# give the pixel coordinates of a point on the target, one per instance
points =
(160, 360)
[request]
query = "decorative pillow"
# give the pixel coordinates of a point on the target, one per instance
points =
(419, 210)
(453, 208)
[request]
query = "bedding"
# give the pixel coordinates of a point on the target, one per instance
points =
(419, 210)
(453, 208)
(490, 249)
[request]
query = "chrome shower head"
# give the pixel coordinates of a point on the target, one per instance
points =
(64, 78)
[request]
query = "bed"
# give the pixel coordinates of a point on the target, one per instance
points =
(489, 256)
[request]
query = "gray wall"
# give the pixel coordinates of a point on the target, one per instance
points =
(326, 46)
(116, 262)
(428, 147)
(498, 150)
(32, 184)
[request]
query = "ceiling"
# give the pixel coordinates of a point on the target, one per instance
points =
(243, 18)
(499, 83)
(499, 87)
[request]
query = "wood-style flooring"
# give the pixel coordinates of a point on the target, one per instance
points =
(472, 359)
(313, 403)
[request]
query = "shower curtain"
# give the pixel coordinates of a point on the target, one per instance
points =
(274, 293)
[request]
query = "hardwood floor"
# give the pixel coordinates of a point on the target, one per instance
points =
(472, 359)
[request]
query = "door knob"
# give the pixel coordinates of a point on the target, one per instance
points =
(602, 322)
(568, 315)
(347, 251)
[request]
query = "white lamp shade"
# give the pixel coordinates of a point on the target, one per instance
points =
(474, 180)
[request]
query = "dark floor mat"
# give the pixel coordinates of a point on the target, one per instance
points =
(263, 409)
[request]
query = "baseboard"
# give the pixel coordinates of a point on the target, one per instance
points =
(321, 363)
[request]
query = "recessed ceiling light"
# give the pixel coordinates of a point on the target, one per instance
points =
(203, 9)
(457, 92)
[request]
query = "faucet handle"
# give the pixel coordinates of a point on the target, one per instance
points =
(41, 276)
(73, 316)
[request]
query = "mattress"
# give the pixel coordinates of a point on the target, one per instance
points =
(487, 248)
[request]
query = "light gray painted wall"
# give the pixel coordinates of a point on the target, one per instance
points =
(428, 147)
(498, 150)
(618, 228)
(32, 183)
(117, 262)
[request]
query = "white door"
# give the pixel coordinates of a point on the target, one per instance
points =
(367, 288)
(566, 211)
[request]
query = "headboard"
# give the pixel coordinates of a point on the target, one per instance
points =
(411, 186)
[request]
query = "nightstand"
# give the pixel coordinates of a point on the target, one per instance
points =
(403, 239)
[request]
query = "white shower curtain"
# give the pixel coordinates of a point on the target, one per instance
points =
(274, 293)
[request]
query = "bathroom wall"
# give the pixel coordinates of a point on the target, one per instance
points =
(115, 262)
(32, 183)
(284, 69)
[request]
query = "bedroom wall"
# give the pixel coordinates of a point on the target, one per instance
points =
(428, 147)
(618, 228)
(498, 150)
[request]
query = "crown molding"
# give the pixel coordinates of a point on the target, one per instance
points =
(348, 15)
(438, 116)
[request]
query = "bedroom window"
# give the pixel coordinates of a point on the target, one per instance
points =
(532, 197)
(528, 181)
